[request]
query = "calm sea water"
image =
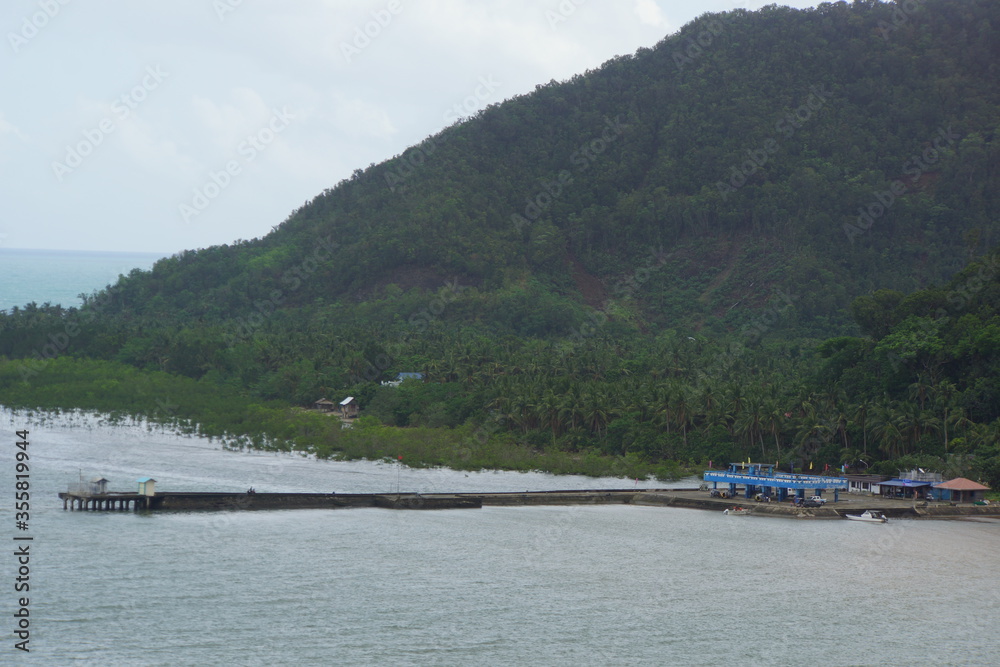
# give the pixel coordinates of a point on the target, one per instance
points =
(58, 276)
(498, 586)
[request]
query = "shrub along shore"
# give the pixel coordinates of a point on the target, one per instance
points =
(211, 410)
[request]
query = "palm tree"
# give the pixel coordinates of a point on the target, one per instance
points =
(570, 408)
(750, 423)
(885, 428)
(595, 413)
(913, 422)
(918, 391)
(681, 408)
(862, 415)
(944, 395)
(774, 418)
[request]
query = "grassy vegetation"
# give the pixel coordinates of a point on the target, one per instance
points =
(218, 411)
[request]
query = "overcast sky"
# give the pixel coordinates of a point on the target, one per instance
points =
(163, 126)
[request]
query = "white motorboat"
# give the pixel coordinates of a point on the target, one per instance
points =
(869, 516)
(738, 511)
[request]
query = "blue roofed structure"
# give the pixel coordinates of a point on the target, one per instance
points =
(401, 377)
(761, 478)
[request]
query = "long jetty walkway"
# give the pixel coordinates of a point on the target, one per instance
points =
(687, 498)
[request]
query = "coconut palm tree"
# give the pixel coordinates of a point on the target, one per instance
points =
(862, 416)
(886, 429)
(944, 396)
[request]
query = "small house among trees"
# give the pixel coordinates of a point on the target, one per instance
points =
(324, 405)
(347, 408)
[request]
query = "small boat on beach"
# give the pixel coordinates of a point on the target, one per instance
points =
(869, 516)
(738, 511)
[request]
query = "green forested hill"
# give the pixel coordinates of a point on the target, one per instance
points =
(738, 163)
(641, 261)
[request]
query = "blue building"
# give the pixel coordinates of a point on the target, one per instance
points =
(761, 478)
(401, 377)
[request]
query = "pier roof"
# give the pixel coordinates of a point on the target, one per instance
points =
(961, 484)
(780, 480)
(906, 483)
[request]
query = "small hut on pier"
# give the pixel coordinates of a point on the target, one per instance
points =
(98, 486)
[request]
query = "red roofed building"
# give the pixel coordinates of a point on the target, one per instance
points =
(960, 490)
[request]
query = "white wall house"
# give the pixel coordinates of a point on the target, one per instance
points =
(865, 484)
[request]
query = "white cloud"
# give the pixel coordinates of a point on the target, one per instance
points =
(144, 145)
(650, 13)
(357, 116)
(225, 78)
(223, 123)
(7, 127)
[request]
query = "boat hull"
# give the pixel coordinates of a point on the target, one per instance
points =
(868, 518)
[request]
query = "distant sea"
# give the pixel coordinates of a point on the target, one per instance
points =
(59, 276)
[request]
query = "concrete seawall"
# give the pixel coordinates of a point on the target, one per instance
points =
(272, 501)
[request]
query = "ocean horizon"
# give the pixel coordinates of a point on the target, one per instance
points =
(59, 276)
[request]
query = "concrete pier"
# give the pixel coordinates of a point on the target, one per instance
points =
(104, 502)
(686, 498)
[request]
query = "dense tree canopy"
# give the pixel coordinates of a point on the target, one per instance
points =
(736, 243)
